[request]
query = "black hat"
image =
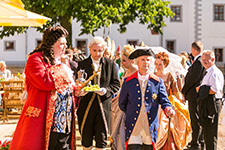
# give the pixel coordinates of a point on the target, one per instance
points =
(141, 52)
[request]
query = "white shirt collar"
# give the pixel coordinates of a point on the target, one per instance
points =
(210, 68)
(57, 60)
(197, 56)
(143, 77)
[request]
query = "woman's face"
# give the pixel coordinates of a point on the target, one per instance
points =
(125, 62)
(159, 64)
(59, 47)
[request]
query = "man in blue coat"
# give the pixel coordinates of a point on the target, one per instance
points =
(140, 97)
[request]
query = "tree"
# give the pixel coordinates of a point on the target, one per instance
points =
(95, 14)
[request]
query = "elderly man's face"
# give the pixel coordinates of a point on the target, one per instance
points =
(97, 51)
(144, 63)
(207, 61)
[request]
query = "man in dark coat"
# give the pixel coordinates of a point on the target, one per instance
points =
(193, 79)
(95, 107)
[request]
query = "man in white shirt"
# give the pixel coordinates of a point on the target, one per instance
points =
(214, 80)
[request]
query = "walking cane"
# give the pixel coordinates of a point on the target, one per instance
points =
(168, 134)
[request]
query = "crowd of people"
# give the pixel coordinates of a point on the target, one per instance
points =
(135, 107)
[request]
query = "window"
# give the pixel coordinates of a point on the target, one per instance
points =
(82, 45)
(218, 12)
(132, 42)
(38, 42)
(170, 45)
(219, 54)
(177, 11)
(10, 46)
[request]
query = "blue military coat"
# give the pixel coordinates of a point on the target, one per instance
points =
(130, 101)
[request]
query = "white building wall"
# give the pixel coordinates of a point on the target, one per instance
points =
(182, 32)
(17, 56)
(213, 31)
(135, 31)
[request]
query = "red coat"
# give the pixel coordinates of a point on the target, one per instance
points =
(42, 81)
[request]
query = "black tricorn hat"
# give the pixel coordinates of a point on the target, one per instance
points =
(141, 52)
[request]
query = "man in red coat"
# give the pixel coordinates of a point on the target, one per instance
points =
(47, 79)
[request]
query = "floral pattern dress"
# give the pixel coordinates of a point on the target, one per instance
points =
(179, 125)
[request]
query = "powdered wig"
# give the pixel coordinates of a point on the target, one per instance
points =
(164, 57)
(50, 36)
(98, 40)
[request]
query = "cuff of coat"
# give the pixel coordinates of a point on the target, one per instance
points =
(166, 109)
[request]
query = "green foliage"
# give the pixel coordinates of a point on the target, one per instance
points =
(94, 14)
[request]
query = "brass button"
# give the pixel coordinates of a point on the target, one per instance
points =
(149, 84)
(135, 118)
(137, 84)
(150, 117)
(137, 112)
(147, 91)
(146, 97)
(139, 98)
(139, 105)
(130, 131)
(132, 125)
(138, 91)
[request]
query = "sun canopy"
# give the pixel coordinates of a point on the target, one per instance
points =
(13, 14)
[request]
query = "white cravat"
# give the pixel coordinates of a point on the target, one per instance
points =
(96, 64)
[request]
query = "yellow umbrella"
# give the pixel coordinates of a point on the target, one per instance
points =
(13, 14)
(32, 19)
(11, 8)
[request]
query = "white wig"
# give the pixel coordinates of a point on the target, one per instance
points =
(98, 40)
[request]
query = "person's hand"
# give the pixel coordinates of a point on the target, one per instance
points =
(80, 92)
(197, 88)
(170, 112)
(101, 92)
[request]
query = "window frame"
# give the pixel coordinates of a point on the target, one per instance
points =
(174, 48)
(214, 12)
(14, 45)
(37, 42)
(137, 40)
(84, 51)
(181, 14)
(214, 49)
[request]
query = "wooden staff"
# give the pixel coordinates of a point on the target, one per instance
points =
(89, 79)
(168, 143)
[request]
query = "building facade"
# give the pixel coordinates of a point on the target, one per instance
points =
(195, 20)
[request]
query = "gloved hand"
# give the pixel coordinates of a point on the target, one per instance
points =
(101, 92)
(170, 112)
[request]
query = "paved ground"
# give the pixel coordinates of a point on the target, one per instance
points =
(7, 129)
